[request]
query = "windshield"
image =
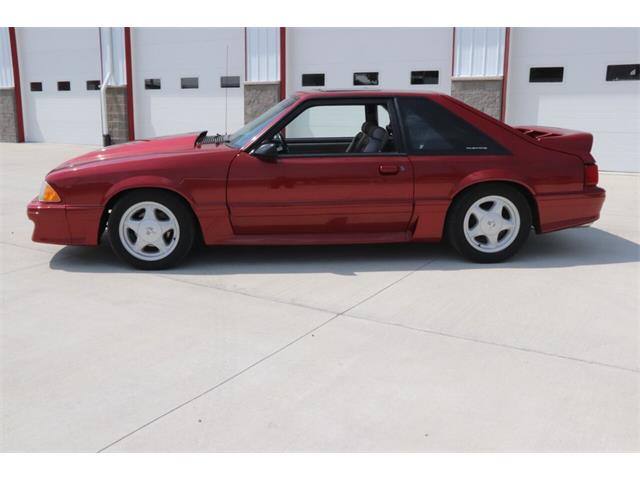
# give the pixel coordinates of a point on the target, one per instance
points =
(251, 129)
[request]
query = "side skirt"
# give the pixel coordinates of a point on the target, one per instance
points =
(318, 239)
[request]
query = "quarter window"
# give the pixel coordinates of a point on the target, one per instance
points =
(431, 129)
(616, 73)
(546, 74)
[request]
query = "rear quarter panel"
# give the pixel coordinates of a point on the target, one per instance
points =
(440, 178)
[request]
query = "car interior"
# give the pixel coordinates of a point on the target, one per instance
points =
(373, 136)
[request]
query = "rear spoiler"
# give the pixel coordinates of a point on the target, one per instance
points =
(571, 141)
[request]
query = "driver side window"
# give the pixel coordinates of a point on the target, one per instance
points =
(326, 121)
(338, 129)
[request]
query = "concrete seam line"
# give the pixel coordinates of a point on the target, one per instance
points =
(246, 294)
(33, 249)
(28, 267)
(219, 384)
(395, 282)
(282, 302)
(257, 362)
(496, 344)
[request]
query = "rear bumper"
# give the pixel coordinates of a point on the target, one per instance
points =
(570, 210)
(64, 224)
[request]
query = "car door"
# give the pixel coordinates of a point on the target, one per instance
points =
(314, 186)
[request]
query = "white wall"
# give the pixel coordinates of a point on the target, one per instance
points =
(393, 52)
(49, 55)
(172, 53)
(584, 100)
(479, 51)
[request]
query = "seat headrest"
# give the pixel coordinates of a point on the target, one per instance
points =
(378, 133)
(367, 128)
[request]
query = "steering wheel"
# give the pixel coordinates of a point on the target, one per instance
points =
(281, 143)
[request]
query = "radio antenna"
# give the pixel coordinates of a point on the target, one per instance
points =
(226, 97)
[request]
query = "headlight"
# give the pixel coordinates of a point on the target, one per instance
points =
(48, 194)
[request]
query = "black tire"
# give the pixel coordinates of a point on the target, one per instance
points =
(455, 222)
(177, 206)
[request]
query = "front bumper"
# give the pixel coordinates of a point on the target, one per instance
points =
(570, 210)
(64, 224)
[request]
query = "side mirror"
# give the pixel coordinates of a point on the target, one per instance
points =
(267, 152)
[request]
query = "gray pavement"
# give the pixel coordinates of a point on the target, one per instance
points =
(350, 348)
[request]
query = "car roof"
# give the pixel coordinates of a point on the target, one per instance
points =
(364, 92)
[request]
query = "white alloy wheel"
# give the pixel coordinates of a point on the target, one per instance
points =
(491, 224)
(149, 231)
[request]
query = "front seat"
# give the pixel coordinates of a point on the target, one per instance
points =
(358, 141)
(376, 140)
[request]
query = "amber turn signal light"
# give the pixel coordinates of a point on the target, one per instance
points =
(48, 194)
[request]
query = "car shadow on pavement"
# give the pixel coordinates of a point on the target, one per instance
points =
(568, 248)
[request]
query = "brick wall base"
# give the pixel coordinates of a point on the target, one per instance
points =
(258, 97)
(8, 131)
(117, 114)
(483, 94)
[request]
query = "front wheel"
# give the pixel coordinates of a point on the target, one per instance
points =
(489, 223)
(151, 229)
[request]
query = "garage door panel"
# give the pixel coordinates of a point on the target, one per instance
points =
(52, 55)
(57, 121)
(172, 54)
(392, 52)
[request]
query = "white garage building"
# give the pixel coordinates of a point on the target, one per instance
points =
(74, 85)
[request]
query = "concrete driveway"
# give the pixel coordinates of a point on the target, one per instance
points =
(351, 348)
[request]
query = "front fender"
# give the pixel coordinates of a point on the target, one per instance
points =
(144, 181)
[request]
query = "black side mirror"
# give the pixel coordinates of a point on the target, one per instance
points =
(267, 152)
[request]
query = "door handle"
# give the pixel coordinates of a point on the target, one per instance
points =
(388, 169)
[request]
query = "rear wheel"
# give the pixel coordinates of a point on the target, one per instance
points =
(151, 229)
(489, 223)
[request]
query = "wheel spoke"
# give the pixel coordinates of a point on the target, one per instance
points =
(508, 223)
(492, 240)
(166, 225)
(477, 212)
(475, 230)
(497, 207)
(160, 245)
(139, 245)
(146, 213)
(132, 224)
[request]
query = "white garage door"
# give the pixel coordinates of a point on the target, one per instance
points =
(332, 56)
(177, 76)
(59, 68)
(581, 97)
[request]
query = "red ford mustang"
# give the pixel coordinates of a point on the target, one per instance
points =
(328, 168)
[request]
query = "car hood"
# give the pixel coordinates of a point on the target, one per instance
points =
(139, 149)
